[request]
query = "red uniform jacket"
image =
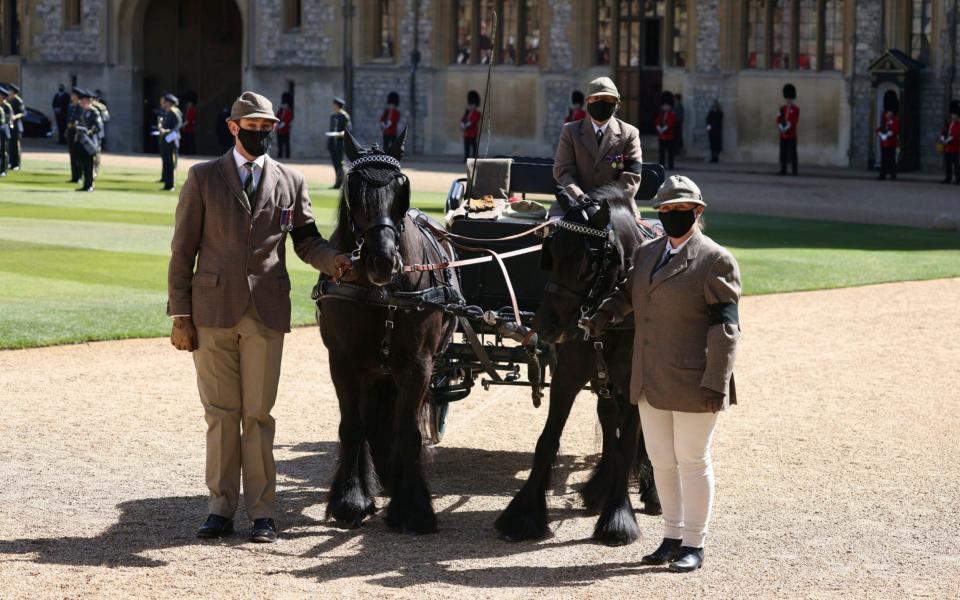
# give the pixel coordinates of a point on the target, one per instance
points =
(471, 123)
(787, 121)
(190, 120)
(389, 120)
(950, 136)
(666, 122)
(286, 116)
(577, 114)
(890, 127)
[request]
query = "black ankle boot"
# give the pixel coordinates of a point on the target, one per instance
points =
(667, 552)
(690, 559)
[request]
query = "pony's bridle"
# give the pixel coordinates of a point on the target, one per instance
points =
(375, 170)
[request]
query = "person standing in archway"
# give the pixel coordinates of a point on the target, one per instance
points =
(169, 130)
(889, 135)
(285, 114)
(666, 124)
(189, 129)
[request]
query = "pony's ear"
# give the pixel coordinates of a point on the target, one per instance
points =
(564, 199)
(396, 149)
(350, 146)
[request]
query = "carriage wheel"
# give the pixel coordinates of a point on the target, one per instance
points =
(438, 421)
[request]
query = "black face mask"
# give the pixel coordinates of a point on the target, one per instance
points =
(676, 223)
(255, 142)
(601, 111)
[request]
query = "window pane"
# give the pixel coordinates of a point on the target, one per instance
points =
(531, 53)
(833, 35)
(507, 33)
(679, 33)
(485, 47)
(385, 49)
(604, 32)
(781, 35)
(629, 35)
(461, 53)
(756, 34)
(808, 35)
(920, 31)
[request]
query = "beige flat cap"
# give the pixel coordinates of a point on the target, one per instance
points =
(251, 105)
(678, 189)
(602, 86)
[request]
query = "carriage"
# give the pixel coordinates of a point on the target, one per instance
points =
(492, 345)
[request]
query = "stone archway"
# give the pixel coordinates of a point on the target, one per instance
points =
(191, 49)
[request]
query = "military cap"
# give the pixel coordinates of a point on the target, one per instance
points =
(576, 97)
(4, 91)
(473, 97)
(393, 98)
(13, 88)
(170, 98)
(602, 86)
(85, 93)
(251, 105)
(678, 189)
(789, 92)
(339, 101)
(76, 90)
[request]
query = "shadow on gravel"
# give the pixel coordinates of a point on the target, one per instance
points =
(385, 558)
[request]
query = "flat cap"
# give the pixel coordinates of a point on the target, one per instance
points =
(602, 86)
(678, 189)
(251, 105)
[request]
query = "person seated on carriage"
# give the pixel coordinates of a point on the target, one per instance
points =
(598, 150)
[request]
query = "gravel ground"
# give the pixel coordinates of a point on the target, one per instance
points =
(837, 475)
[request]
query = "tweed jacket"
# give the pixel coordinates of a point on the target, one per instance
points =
(226, 249)
(580, 166)
(687, 323)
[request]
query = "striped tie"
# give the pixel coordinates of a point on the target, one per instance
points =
(248, 188)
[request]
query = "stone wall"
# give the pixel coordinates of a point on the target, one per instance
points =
(55, 43)
(868, 38)
(309, 45)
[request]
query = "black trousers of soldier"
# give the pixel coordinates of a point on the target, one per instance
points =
(788, 156)
(336, 157)
(168, 157)
(188, 143)
(388, 141)
(888, 163)
(283, 145)
(951, 166)
(14, 145)
(86, 167)
(667, 149)
(470, 148)
(61, 128)
(76, 170)
(4, 142)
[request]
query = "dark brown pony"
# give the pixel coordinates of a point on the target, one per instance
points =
(587, 256)
(381, 359)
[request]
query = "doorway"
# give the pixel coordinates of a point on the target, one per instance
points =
(638, 31)
(193, 49)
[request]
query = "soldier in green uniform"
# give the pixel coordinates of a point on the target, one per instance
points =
(88, 128)
(339, 123)
(16, 124)
(169, 130)
(5, 112)
(74, 112)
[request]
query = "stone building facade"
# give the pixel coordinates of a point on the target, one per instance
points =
(432, 52)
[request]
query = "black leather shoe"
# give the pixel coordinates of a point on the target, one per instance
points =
(690, 559)
(264, 531)
(667, 552)
(215, 526)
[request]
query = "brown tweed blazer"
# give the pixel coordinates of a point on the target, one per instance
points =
(580, 165)
(225, 250)
(680, 343)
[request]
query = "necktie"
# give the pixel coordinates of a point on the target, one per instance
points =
(599, 137)
(248, 188)
(663, 262)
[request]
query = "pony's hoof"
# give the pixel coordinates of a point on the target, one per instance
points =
(522, 521)
(414, 522)
(617, 526)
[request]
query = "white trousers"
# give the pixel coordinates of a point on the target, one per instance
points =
(678, 444)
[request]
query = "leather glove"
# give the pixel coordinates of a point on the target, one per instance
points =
(183, 336)
(595, 323)
(712, 399)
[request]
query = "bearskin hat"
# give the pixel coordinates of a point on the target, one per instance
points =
(955, 107)
(393, 98)
(473, 97)
(667, 98)
(789, 92)
(576, 97)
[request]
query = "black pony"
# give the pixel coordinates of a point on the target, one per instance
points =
(587, 256)
(381, 346)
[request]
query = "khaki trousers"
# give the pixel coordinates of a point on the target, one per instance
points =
(678, 444)
(238, 369)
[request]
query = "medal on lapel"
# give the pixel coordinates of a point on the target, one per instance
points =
(615, 160)
(286, 219)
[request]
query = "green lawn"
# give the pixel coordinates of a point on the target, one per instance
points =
(79, 267)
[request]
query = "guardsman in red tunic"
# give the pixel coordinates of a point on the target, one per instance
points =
(470, 125)
(787, 120)
(666, 125)
(389, 119)
(950, 138)
(889, 135)
(576, 112)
